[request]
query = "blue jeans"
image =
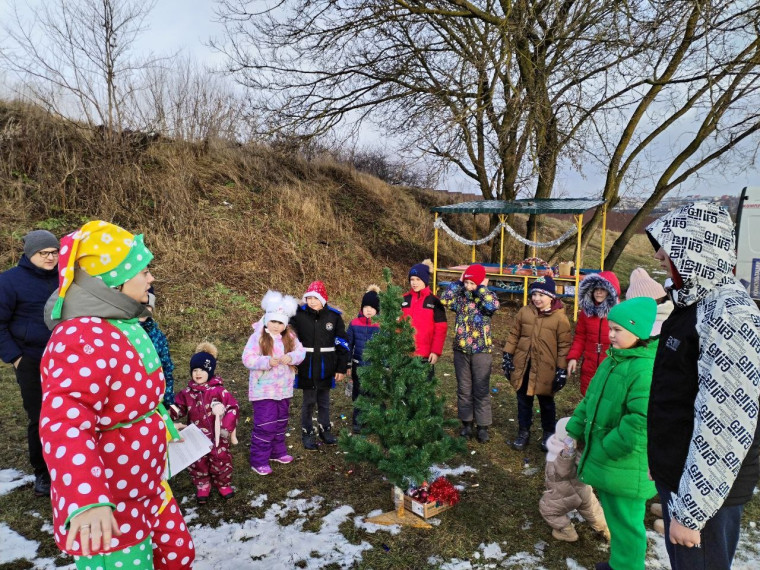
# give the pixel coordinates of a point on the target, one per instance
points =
(719, 538)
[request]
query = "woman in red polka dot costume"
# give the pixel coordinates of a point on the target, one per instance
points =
(102, 424)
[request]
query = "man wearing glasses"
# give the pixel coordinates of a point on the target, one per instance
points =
(23, 333)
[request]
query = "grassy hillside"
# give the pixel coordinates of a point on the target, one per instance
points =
(228, 222)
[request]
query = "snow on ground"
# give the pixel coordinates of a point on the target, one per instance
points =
(313, 539)
(11, 478)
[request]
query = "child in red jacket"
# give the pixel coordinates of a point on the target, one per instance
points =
(426, 312)
(598, 293)
(202, 402)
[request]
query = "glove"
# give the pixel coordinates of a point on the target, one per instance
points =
(507, 365)
(560, 379)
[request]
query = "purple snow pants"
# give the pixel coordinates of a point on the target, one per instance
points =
(270, 422)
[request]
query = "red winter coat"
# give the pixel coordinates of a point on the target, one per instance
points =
(428, 319)
(592, 339)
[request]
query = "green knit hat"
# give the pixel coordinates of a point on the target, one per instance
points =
(635, 315)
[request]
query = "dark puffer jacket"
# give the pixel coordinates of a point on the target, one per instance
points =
(23, 292)
(360, 330)
(591, 339)
(323, 335)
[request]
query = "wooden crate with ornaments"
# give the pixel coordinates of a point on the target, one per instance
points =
(424, 510)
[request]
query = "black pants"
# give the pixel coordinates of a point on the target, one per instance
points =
(321, 398)
(525, 407)
(28, 378)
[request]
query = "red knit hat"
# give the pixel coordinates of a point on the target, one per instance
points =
(316, 289)
(475, 273)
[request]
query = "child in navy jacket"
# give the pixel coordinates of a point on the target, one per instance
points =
(360, 330)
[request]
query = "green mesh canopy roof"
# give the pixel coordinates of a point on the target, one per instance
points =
(522, 206)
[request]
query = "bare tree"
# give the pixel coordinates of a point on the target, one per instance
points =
(505, 91)
(709, 75)
(192, 103)
(76, 58)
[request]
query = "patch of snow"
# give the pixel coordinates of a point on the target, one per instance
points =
(11, 479)
(259, 501)
(269, 545)
(15, 546)
(446, 471)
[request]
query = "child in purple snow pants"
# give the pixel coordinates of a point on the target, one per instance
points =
(271, 354)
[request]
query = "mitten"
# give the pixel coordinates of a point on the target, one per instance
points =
(560, 379)
(507, 365)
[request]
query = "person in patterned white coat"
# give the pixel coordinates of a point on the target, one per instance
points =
(703, 440)
(103, 427)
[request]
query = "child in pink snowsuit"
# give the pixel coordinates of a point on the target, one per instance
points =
(271, 354)
(197, 402)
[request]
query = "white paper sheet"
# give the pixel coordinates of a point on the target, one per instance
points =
(193, 446)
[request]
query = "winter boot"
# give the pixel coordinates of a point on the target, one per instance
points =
(308, 439)
(285, 459)
(544, 438)
(466, 430)
(523, 437)
(356, 429)
(483, 434)
(326, 436)
(656, 510)
(602, 566)
(203, 491)
(226, 492)
(262, 469)
(42, 485)
(568, 534)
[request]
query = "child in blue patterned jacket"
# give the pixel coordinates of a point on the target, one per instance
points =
(473, 303)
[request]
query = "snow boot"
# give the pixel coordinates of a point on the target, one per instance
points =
(521, 442)
(42, 485)
(308, 439)
(656, 510)
(285, 459)
(326, 435)
(226, 492)
(466, 430)
(262, 469)
(202, 494)
(568, 534)
(483, 434)
(659, 526)
(544, 438)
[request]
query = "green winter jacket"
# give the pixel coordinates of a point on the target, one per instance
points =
(612, 421)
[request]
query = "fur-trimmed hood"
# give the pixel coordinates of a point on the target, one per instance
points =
(606, 280)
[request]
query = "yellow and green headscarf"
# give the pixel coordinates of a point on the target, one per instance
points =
(102, 250)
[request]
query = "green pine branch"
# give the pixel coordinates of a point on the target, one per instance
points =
(403, 428)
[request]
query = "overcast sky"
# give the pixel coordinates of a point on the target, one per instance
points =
(187, 25)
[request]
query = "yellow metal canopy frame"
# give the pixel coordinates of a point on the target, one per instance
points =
(575, 206)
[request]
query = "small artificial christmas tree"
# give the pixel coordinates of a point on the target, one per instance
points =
(401, 415)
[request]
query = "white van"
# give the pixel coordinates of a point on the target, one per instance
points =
(748, 240)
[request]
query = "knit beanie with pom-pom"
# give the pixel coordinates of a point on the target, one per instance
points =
(204, 358)
(371, 298)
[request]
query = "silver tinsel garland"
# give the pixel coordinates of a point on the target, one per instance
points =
(440, 224)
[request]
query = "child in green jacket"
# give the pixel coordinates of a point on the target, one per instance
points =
(611, 420)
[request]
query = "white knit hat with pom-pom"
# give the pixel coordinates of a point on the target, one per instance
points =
(278, 307)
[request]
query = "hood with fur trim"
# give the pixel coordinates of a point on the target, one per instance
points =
(606, 280)
(699, 239)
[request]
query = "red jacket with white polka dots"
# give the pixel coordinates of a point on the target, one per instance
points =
(95, 378)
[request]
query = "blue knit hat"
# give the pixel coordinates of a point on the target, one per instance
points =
(205, 359)
(421, 270)
(545, 285)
